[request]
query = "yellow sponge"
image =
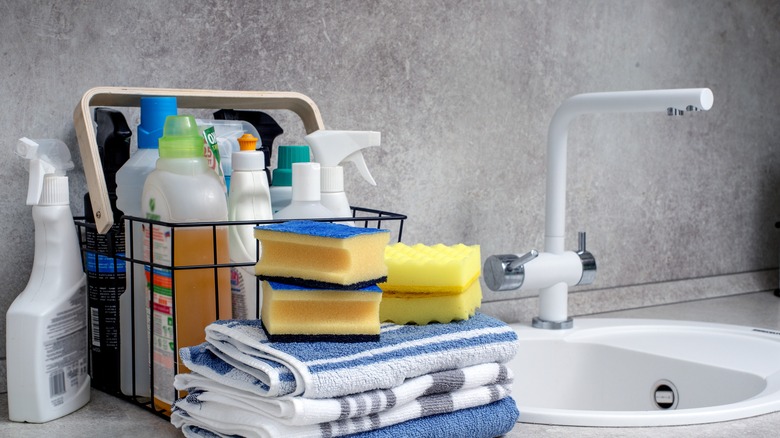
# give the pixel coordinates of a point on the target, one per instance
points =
(409, 307)
(437, 268)
(322, 255)
(425, 284)
(292, 313)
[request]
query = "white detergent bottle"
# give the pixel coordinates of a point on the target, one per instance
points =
(305, 202)
(134, 346)
(331, 149)
(181, 189)
(46, 325)
(249, 199)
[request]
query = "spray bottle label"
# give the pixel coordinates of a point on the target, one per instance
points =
(66, 349)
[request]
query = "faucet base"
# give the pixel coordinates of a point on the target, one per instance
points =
(552, 325)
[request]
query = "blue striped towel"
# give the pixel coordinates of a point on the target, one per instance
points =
(330, 369)
(301, 411)
(486, 421)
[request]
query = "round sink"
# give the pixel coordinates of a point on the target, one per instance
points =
(625, 372)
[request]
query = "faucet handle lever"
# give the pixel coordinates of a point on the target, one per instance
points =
(506, 271)
(581, 242)
(523, 259)
(587, 259)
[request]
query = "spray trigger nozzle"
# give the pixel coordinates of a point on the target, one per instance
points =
(46, 157)
(332, 148)
(360, 163)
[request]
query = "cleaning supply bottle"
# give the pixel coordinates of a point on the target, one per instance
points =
(249, 199)
(267, 128)
(46, 325)
(281, 182)
(331, 149)
(222, 137)
(106, 274)
(130, 178)
(305, 203)
(183, 188)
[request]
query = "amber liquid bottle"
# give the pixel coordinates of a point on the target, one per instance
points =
(181, 189)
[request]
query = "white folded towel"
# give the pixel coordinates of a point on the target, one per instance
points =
(194, 410)
(299, 411)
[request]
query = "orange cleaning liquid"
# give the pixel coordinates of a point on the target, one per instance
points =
(201, 296)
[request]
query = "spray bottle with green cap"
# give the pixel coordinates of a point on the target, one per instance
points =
(333, 148)
(183, 188)
(46, 325)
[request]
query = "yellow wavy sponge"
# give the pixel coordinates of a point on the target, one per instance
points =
(322, 255)
(438, 268)
(426, 284)
(296, 314)
(420, 309)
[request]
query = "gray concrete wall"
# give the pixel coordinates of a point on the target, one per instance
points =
(462, 92)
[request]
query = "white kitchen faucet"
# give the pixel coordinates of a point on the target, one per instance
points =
(554, 270)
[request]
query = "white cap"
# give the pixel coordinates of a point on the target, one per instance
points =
(306, 182)
(248, 160)
(54, 191)
(332, 179)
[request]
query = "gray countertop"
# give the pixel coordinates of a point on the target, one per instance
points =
(106, 415)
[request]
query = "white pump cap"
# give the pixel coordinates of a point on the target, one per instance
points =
(332, 148)
(306, 182)
(49, 159)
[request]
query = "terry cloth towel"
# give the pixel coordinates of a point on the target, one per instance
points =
(299, 411)
(194, 410)
(330, 369)
(486, 421)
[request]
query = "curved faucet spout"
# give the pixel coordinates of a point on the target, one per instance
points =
(555, 269)
(608, 102)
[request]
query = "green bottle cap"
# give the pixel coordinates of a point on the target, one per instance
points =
(181, 138)
(287, 155)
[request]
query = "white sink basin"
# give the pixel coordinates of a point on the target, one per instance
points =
(613, 372)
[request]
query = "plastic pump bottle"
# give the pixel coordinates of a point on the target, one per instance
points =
(249, 199)
(134, 346)
(183, 188)
(305, 202)
(281, 183)
(46, 325)
(331, 149)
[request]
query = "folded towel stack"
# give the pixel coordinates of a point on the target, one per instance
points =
(433, 380)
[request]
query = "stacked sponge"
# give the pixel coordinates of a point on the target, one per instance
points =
(320, 280)
(426, 284)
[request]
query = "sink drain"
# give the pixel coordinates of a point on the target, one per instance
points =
(665, 395)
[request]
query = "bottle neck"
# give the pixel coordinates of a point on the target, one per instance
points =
(184, 166)
(57, 252)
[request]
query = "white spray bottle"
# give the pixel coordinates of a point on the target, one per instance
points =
(46, 325)
(331, 149)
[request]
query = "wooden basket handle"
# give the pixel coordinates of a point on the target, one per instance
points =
(298, 103)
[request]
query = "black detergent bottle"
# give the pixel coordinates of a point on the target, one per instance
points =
(105, 272)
